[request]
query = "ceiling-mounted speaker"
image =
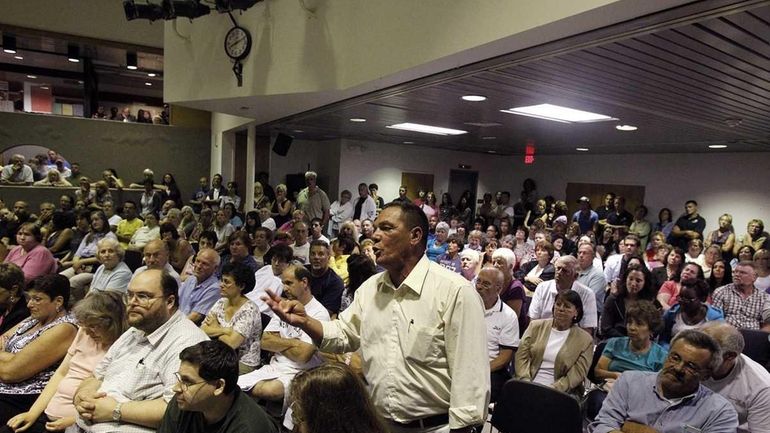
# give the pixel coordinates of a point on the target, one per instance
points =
(282, 144)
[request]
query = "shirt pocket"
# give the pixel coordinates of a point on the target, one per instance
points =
(423, 344)
(147, 382)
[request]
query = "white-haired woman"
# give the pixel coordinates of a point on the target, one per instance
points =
(113, 274)
(470, 263)
(438, 245)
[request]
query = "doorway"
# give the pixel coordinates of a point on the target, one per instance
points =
(461, 181)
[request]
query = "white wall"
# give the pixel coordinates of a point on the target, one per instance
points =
(320, 156)
(720, 182)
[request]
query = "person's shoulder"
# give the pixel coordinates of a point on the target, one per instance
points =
(316, 310)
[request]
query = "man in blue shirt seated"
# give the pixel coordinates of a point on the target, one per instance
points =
(673, 400)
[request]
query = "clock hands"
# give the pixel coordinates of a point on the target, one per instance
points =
(233, 44)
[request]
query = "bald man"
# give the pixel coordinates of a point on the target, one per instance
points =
(16, 172)
(156, 255)
(745, 383)
(200, 291)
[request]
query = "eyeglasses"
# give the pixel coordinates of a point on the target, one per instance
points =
(184, 385)
(685, 300)
(689, 367)
(142, 298)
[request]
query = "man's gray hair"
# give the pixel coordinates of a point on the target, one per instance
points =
(701, 340)
(311, 174)
(727, 336)
(112, 242)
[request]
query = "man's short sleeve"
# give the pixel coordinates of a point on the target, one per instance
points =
(536, 307)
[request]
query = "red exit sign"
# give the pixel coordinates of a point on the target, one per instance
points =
(529, 152)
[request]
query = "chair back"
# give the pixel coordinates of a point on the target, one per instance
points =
(597, 354)
(757, 346)
(530, 407)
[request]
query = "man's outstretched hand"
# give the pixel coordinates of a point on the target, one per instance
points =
(290, 311)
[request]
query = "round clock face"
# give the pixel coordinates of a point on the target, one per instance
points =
(237, 43)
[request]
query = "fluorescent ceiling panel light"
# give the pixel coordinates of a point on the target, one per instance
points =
(581, 149)
(626, 127)
(147, 83)
(427, 129)
(717, 146)
(18, 57)
(474, 98)
(151, 74)
(358, 119)
(558, 114)
(31, 77)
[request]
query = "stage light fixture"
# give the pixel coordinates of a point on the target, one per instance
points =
(131, 61)
(9, 44)
(187, 8)
(224, 6)
(147, 11)
(73, 53)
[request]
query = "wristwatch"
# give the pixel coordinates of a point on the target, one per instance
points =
(116, 414)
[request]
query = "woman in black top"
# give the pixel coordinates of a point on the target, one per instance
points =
(634, 286)
(13, 305)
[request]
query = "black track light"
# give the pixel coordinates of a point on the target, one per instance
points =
(73, 53)
(231, 5)
(187, 8)
(9, 44)
(147, 11)
(131, 61)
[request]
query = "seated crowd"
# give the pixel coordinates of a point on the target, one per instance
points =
(166, 314)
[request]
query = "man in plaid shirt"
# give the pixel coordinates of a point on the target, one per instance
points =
(744, 305)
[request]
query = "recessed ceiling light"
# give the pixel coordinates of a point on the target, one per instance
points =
(31, 77)
(133, 68)
(489, 138)
(409, 142)
(491, 151)
(297, 131)
(626, 127)
(151, 74)
(427, 129)
(581, 149)
(18, 57)
(80, 81)
(44, 87)
(358, 119)
(474, 98)
(147, 83)
(558, 114)
(717, 146)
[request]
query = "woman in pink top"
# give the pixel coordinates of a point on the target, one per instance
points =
(668, 296)
(30, 254)
(101, 316)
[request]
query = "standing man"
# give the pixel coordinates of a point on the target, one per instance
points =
(603, 211)
(341, 211)
(619, 217)
(402, 198)
(216, 191)
(131, 386)
(745, 383)
(688, 227)
(313, 200)
(417, 326)
(196, 201)
(585, 217)
(365, 207)
(744, 305)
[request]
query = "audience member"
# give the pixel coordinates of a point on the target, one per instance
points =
(179, 249)
(470, 262)
(33, 348)
(234, 319)
(721, 275)
(502, 328)
(282, 207)
(365, 206)
(692, 311)
(54, 179)
(113, 274)
(555, 352)
(30, 254)
(669, 292)
(636, 287)
(16, 172)
(13, 303)
(293, 349)
(200, 291)
(156, 256)
(150, 231)
(630, 247)
(588, 274)
(223, 229)
(129, 225)
(131, 387)
(354, 413)
(269, 277)
(102, 320)
(755, 237)
(316, 231)
(60, 233)
(534, 272)
(451, 258)
(762, 266)
(674, 261)
(301, 246)
(239, 251)
(360, 269)
(689, 226)
(207, 397)
(585, 217)
(198, 196)
(740, 380)
(673, 399)
(743, 304)
(150, 199)
(325, 285)
(723, 237)
(565, 279)
(313, 200)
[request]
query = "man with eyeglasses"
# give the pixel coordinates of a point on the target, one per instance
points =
(207, 397)
(130, 388)
(673, 400)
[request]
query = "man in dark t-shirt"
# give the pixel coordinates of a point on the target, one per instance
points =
(325, 285)
(619, 217)
(207, 397)
(688, 227)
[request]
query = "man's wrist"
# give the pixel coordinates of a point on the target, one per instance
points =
(117, 413)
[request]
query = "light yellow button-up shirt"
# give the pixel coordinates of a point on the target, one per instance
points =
(423, 345)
